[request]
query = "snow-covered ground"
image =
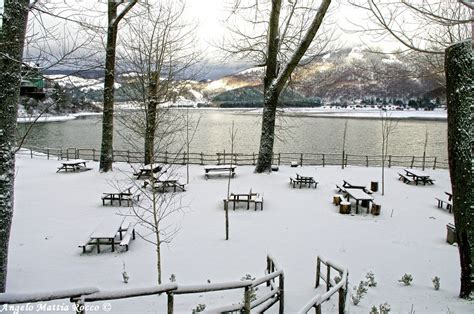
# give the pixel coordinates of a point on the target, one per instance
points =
(51, 118)
(55, 212)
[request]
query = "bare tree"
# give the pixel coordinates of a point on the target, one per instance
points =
(440, 24)
(12, 37)
(279, 43)
(388, 125)
(114, 18)
(159, 55)
(233, 134)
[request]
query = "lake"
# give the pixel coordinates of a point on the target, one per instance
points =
(295, 134)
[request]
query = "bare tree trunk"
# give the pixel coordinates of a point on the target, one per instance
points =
(150, 132)
(275, 80)
(459, 79)
(12, 37)
(106, 151)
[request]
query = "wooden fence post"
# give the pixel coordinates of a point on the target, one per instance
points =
(412, 161)
(324, 161)
(367, 160)
(389, 161)
(301, 160)
(47, 153)
(318, 309)
(434, 163)
(166, 157)
(318, 272)
(247, 293)
(281, 293)
(224, 156)
(128, 156)
(328, 277)
(184, 158)
(342, 300)
(93, 154)
(202, 159)
(279, 158)
(170, 302)
(347, 157)
(268, 269)
(253, 159)
(31, 152)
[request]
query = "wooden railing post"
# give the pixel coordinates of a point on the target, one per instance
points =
(202, 159)
(279, 158)
(224, 156)
(318, 272)
(79, 306)
(367, 160)
(93, 154)
(247, 296)
(412, 161)
(434, 163)
(324, 160)
(328, 277)
(253, 159)
(76, 153)
(301, 160)
(342, 300)
(281, 293)
(166, 157)
(184, 158)
(389, 161)
(318, 309)
(170, 302)
(268, 269)
(128, 156)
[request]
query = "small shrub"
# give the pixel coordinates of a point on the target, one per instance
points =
(360, 291)
(374, 310)
(173, 278)
(371, 279)
(253, 294)
(436, 282)
(406, 279)
(199, 308)
(384, 308)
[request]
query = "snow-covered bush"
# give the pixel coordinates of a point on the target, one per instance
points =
(199, 308)
(384, 308)
(436, 282)
(370, 279)
(406, 279)
(253, 294)
(173, 278)
(360, 291)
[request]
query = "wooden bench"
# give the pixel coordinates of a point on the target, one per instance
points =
(221, 169)
(340, 189)
(126, 196)
(405, 179)
(130, 234)
(255, 198)
(441, 202)
(303, 181)
(87, 242)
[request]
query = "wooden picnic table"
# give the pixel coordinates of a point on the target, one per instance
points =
(73, 165)
(164, 185)
(303, 181)
(148, 170)
(359, 195)
(106, 232)
(419, 176)
(248, 198)
(221, 169)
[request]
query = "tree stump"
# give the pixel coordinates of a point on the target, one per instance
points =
(374, 186)
(344, 208)
(376, 209)
(336, 199)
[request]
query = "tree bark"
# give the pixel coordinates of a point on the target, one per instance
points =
(12, 38)
(106, 151)
(275, 80)
(459, 85)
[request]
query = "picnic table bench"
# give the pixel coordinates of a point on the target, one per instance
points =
(416, 177)
(73, 165)
(303, 181)
(448, 200)
(359, 195)
(348, 185)
(255, 198)
(147, 171)
(222, 169)
(165, 185)
(125, 197)
(106, 234)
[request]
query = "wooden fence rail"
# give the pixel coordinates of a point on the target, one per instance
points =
(84, 295)
(340, 286)
(220, 158)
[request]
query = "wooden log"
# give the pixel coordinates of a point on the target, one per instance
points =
(344, 207)
(375, 209)
(374, 186)
(336, 199)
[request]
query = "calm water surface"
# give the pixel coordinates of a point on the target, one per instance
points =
(296, 134)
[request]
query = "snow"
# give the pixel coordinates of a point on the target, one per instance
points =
(55, 212)
(50, 118)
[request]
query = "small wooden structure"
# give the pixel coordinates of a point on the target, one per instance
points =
(73, 166)
(344, 207)
(451, 233)
(448, 201)
(375, 210)
(336, 199)
(147, 171)
(220, 169)
(303, 181)
(255, 198)
(165, 185)
(374, 186)
(106, 234)
(125, 197)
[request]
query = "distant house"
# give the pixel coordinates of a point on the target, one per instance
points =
(32, 82)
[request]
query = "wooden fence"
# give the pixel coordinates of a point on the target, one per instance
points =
(84, 295)
(219, 158)
(340, 286)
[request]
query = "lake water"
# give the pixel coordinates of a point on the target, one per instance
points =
(296, 134)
